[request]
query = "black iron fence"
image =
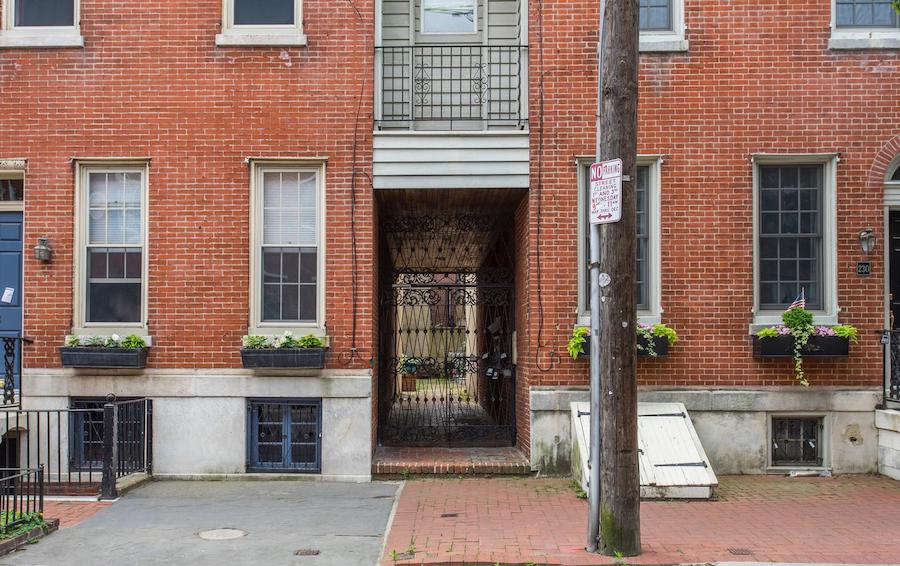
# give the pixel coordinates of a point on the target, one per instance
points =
(450, 83)
(81, 449)
(12, 369)
(891, 341)
(21, 496)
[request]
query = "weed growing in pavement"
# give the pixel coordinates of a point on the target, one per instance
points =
(579, 493)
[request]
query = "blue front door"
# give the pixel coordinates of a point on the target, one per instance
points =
(10, 281)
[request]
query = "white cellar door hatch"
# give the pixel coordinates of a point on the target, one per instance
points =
(673, 464)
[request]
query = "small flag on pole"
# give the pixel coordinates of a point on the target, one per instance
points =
(800, 301)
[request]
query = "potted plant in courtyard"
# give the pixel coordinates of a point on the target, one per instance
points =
(285, 351)
(653, 340)
(408, 375)
(797, 337)
(104, 352)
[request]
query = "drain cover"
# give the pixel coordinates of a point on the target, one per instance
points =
(221, 534)
(307, 552)
(740, 551)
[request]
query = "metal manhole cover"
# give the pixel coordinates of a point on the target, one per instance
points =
(221, 534)
(307, 552)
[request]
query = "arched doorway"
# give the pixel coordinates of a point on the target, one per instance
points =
(892, 279)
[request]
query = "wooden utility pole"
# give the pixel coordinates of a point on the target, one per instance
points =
(617, 138)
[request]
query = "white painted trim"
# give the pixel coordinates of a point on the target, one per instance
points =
(474, 31)
(39, 36)
(79, 261)
(829, 314)
(861, 38)
(257, 168)
(653, 315)
(260, 35)
(666, 41)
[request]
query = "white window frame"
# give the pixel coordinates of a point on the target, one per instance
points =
(272, 328)
(666, 41)
(828, 315)
(440, 33)
(12, 169)
(653, 315)
(13, 37)
(861, 38)
(261, 35)
(83, 167)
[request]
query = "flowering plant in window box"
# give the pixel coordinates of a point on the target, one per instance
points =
(798, 337)
(104, 352)
(653, 341)
(285, 351)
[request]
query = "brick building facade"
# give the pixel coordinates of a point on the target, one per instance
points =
(371, 104)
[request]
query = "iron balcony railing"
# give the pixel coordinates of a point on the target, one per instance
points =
(446, 84)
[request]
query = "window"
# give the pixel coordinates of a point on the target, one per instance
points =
(797, 441)
(895, 178)
(287, 246)
(285, 436)
(647, 233)
(866, 14)
(40, 23)
(790, 235)
(656, 14)
(112, 232)
(86, 434)
(12, 190)
(662, 25)
(262, 22)
(449, 16)
(795, 245)
(864, 24)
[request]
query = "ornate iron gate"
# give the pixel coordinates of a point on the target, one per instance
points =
(446, 371)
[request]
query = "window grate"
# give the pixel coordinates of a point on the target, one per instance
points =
(796, 441)
(285, 436)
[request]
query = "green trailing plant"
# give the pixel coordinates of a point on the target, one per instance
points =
(798, 324)
(575, 347)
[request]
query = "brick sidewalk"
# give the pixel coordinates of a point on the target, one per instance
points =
(70, 513)
(848, 519)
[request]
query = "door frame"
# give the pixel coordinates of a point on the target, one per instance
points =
(15, 169)
(891, 204)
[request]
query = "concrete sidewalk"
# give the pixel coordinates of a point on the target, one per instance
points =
(285, 523)
(847, 519)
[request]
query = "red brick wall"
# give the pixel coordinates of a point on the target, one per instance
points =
(150, 82)
(758, 78)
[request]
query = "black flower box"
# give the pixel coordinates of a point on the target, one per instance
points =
(300, 358)
(660, 346)
(99, 357)
(816, 347)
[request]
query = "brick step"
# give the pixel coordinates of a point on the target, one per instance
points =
(393, 461)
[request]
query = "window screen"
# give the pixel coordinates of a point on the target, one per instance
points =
(866, 14)
(449, 16)
(115, 246)
(44, 13)
(790, 235)
(263, 12)
(656, 14)
(642, 209)
(796, 441)
(290, 246)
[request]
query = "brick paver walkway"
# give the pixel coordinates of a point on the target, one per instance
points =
(70, 513)
(847, 519)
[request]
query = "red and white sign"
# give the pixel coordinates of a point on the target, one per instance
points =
(606, 192)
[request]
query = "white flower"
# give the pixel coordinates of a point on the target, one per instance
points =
(115, 337)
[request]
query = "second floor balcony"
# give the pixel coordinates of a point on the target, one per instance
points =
(452, 87)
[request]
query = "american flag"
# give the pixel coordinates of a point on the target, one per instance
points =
(800, 301)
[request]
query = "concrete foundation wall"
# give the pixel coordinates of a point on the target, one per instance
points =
(888, 423)
(733, 425)
(200, 417)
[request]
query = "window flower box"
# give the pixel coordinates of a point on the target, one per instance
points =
(660, 346)
(817, 346)
(262, 352)
(104, 352)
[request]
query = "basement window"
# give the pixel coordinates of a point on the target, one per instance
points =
(797, 441)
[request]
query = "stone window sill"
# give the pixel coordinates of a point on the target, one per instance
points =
(260, 40)
(20, 40)
(662, 44)
(843, 40)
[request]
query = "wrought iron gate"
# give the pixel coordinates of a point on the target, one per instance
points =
(447, 359)
(446, 371)
(891, 340)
